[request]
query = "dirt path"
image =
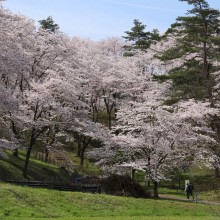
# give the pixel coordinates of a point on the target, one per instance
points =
(170, 197)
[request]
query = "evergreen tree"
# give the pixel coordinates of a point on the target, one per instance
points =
(197, 45)
(48, 24)
(139, 38)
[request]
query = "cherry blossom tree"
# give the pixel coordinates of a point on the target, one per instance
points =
(13, 66)
(51, 83)
(52, 98)
(156, 139)
(41, 73)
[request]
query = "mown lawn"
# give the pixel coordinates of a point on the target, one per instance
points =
(19, 202)
(136, 218)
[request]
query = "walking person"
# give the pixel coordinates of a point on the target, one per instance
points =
(189, 190)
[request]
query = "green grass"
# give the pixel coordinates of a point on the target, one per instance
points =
(30, 203)
(210, 196)
(179, 193)
(136, 218)
(213, 196)
(88, 167)
(11, 169)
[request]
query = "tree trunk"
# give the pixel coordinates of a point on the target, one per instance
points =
(109, 120)
(156, 195)
(15, 152)
(95, 113)
(205, 62)
(32, 140)
(109, 108)
(82, 158)
(132, 173)
(85, 144)
(206, 72)
(46, 155)
(79, 149)
(27, 160)
(48, 147)
(217, 172)
(148, 163)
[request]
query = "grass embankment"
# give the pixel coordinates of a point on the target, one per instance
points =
(19, 202)
(30, 203)
(11, 169)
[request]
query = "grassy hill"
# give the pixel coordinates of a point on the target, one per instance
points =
(19, 202)
(11, 169)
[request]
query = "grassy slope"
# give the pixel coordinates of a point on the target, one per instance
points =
(27, 203)
(24, 203)
(11, 169)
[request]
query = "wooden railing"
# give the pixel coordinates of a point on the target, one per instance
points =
(76, 187)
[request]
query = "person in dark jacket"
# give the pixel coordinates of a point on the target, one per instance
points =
(189, 190)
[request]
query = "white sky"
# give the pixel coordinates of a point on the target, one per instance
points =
(98, 19)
